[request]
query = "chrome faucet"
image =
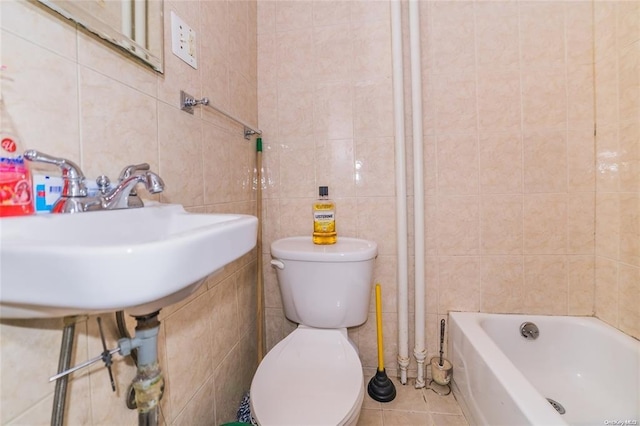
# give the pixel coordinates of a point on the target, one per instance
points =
(118, 197)
(133, 200)
(74, 197)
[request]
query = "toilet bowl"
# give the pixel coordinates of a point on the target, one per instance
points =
(313, 377)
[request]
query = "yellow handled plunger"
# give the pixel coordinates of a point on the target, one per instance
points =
(379, 327)
(380, 387)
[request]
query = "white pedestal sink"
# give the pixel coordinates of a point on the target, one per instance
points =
(135, 259)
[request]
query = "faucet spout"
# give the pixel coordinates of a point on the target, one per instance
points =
(118, 197)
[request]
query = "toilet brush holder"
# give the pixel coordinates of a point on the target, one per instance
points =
(441, 376)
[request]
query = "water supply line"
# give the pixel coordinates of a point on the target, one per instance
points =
(419, 350)
(401, 190)
(260, 272)
(123, 333)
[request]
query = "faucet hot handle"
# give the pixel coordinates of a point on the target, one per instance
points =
(70, 169)
(129, 170)
(71, 173)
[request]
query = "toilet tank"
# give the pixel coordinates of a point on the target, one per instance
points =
(325, 286)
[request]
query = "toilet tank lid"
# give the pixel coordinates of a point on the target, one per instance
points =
(345, 250)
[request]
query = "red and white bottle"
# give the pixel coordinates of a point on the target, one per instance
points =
(16, 198)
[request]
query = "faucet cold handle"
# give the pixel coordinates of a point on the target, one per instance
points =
(131, 169)
(153, 183)
(71, 173)
(126, 173)
(121, 196)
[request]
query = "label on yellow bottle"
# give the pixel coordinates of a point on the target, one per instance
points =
(324, 223)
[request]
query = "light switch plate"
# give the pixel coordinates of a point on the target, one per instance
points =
(183, 41)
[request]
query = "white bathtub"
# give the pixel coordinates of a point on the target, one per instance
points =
(501, 378)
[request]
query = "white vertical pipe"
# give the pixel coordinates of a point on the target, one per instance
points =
(418, 187)
(401, 190)
(140, 22)
(127, 18)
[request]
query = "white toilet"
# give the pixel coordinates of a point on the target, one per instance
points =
(314, 375)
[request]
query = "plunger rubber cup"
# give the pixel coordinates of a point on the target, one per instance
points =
(381, 388)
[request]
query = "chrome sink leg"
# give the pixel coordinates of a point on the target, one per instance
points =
(64, 362)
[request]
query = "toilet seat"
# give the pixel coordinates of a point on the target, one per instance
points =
(312, 377)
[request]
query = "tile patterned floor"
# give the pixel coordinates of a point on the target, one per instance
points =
(411, 407)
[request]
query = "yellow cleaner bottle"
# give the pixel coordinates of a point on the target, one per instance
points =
(324, 218)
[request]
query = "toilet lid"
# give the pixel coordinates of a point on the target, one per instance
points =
(312, 377)
(345, 250)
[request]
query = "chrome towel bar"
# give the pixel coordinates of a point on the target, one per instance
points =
(187, 102)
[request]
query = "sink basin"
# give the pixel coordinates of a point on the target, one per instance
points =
(138, 260)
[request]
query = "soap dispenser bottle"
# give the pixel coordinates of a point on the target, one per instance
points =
(15, 180)
(324, 218)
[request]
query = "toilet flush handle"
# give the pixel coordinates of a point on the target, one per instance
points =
(277, 263)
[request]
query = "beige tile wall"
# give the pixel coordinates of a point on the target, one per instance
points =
(508, 105)
(72, 96)
(617, 68)
(325, 107)
(512, 185)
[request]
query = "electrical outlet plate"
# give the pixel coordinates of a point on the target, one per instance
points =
(183, 41)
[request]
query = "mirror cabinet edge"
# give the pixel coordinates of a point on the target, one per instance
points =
(113, 36)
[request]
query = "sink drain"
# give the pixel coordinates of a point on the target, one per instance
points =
(555, 404)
